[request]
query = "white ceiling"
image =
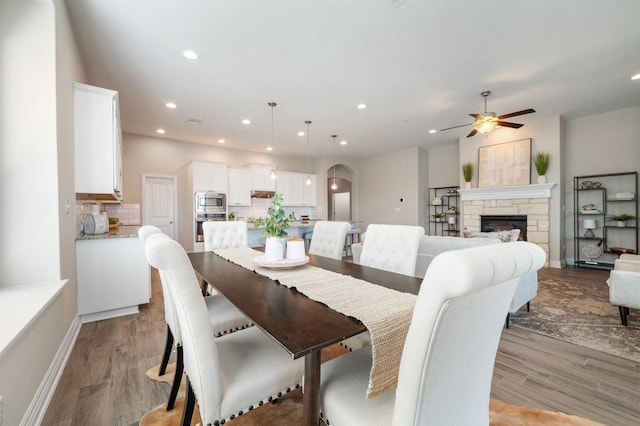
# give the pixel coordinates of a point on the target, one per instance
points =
(417, 65)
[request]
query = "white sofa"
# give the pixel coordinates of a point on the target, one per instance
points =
(431, 246)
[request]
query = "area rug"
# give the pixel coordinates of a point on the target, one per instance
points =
(579, 312)
(288, 409)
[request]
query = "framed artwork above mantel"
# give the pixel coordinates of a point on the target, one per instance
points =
(505, 164)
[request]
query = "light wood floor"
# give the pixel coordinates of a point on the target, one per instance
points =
(104, 382)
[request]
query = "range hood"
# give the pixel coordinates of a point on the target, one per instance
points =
(262, 194)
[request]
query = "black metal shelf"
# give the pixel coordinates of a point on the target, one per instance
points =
(449, 198)
(613, 183)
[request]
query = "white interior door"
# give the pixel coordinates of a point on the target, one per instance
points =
(159, 203)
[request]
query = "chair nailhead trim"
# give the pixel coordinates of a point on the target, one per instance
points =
(251, 407)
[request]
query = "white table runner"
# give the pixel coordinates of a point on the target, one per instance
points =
(385, 312)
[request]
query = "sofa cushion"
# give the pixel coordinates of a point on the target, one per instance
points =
(504, 236)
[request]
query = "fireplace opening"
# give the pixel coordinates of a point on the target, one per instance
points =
(505, 223)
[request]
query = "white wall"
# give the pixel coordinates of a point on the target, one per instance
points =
(546, 135)
(444, 165)
(38, 64)
(385, 180)
(599, 144)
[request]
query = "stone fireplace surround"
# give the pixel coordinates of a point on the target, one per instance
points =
(530, 200)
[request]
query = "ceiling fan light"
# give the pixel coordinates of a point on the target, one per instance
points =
(486, 124)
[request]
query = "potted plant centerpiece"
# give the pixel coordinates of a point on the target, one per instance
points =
(621, 219)
(467, 173)
(275, 223)
(438, 216)
(541, 161)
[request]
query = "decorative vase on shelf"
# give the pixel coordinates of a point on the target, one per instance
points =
(542, 179)
(620, 223)
(467, 185)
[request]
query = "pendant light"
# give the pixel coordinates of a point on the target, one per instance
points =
(308, 180)
(273, 164)
(334, 185)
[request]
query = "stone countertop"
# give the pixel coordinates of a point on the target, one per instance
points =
(121, 231)
(295, 224)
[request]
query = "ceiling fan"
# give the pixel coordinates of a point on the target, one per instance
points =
(488, 121)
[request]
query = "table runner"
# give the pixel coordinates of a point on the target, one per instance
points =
(385, 312)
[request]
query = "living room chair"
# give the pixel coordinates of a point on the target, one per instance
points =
(392, 248)
(328, 239)
(224, 317)
(624, 284)
(449, 353)
(229, 375)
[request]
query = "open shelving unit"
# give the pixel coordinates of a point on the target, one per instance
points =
(598, 198)
(444, 211)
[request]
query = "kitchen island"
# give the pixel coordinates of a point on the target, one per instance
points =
(255, 239)
(113, 274)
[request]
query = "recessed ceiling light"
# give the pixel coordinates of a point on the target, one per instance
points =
(246, 121)
(343, 142)
(432, 131)
(300, 133)
(221, 141)
(269, 148)
(636, 77)
(170, 105)
(161, 131)
(361, 106)
(190, 54)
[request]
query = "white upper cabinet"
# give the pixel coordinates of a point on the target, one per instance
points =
(310, 192)
(97, 143)
(207, 176)
(239, 187)
(260, 177)
(295, 191)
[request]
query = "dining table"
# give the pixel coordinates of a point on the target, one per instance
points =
(300, 325)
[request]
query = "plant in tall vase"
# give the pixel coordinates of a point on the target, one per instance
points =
(467, 173)
(275, 222)
(541, 161)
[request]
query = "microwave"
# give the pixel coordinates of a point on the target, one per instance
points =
(208, 202)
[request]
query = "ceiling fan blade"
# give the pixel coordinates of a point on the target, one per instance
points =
(512, 125)
(473, 133)
(514, 114)
(477, 116)
(455, 127)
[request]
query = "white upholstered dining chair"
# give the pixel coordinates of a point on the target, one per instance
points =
(328, 238)
(224, 317)
(229, 375)
(393, 248)
(224, 234)
(449, 353)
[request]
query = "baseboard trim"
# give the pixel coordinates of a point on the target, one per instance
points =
(40, 402)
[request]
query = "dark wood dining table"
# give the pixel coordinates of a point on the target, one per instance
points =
(303, 327)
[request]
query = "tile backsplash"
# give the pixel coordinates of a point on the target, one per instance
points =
(129, 214)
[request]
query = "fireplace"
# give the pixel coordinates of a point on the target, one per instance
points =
(504, 223)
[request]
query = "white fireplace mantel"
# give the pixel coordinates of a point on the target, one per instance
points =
(537, 190)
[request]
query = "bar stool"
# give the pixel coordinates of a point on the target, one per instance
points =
(307, 240)
(353, 236)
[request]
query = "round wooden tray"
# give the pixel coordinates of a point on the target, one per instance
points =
(281, 264)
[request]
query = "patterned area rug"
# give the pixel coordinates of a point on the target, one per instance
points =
(580, 313)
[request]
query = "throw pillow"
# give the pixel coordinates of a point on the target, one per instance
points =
(504, 236)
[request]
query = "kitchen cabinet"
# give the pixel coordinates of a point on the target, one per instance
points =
(239, 187)
(113, 277)
(209, 176)
(598, 239)
(261, 178)
(97, 143)
(295, 191)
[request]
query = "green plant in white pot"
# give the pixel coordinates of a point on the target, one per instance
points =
(621, 219)
(467, 173)
(541, 161)
(275, 223)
